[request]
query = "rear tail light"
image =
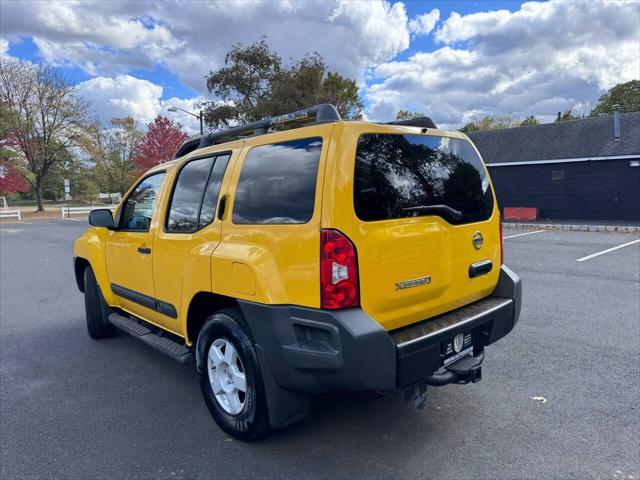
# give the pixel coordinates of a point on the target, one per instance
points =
(501, 245)
(338, 271)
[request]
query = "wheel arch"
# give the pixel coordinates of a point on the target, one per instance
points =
(202, 305)
(89, 250)
(79, 265)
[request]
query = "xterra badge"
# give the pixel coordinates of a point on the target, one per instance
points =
(413, 283)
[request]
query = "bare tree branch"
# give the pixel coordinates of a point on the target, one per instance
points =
(51, 117)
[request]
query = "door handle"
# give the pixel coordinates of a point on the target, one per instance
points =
(145, 250)
(480, 268)
(222, 207)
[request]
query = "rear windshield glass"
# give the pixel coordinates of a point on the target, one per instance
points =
(400, 176)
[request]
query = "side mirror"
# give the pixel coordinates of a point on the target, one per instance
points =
(101, 217)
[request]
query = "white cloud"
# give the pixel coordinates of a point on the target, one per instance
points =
(124, 95)
(545, 57)
(4, 47)
(538, 60)
(425, 23)
(191, 38)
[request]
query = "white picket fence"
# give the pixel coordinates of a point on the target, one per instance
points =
(66, 212)
(114, 197)
(5, 213)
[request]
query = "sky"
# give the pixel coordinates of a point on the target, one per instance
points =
(452, 60)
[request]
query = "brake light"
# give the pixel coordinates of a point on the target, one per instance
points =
(501, 248)
(339, 286)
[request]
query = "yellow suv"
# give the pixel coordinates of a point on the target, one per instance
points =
(304, 254)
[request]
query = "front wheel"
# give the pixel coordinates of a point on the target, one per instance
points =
(96, 307)
(230, 377)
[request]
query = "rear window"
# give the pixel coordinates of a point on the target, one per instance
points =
(192, 205)
(278, 183)
(400, 176)
(187, 196)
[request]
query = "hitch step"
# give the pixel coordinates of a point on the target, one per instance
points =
(466, 364)
(465, 370)
(468, 369)
(178, 352)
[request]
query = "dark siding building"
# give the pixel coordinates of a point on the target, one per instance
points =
(577, 170)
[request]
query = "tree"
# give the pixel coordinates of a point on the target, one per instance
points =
(50, 117)
(253, 84)
(11, 180)
(627, 95)
(242, 85)
(343, 93)
(491, 122)
(408, 115)
(113, 149)
(158, 145)
(80, 176)
(566, 116)
(530, 120)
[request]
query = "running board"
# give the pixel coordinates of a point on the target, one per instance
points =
(171, 349)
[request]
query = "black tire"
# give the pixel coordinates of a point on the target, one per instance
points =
(252, 422)
(98, 311)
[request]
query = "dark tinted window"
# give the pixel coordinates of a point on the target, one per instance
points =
(278, 183)
(210, 200)
(397, 176)
(187, 196)
(138, 207)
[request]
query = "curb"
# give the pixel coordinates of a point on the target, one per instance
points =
(574, 228)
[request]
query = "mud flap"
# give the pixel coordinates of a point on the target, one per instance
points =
(284, 406)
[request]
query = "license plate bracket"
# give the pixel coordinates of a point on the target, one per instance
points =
(462, 342)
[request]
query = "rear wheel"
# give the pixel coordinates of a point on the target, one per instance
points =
(96, 307)
(230, 377)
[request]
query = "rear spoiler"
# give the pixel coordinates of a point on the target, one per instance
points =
(422, 122)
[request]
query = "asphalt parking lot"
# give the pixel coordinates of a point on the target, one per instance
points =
(72, 407)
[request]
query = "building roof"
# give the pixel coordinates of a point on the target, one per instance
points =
(586, 138)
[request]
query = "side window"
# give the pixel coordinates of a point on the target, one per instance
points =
(208, 210)
(277, 183)
(187, 196)
(138, 207)
(195, 194)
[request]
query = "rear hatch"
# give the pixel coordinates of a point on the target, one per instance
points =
(425, 213)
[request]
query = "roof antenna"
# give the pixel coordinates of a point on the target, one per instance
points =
(616, 122)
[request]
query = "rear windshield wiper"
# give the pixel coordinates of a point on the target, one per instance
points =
(455, 214)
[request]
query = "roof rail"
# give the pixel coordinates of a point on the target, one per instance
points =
(322, 113)
(424, 122)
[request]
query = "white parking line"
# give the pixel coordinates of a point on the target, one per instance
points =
(521, 234)
(74, 219)
(597, 254)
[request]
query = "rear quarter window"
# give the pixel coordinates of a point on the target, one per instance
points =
(400, 176)
(277, 183)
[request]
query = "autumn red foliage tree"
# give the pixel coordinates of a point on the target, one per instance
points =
(11, 180)
(162, 140)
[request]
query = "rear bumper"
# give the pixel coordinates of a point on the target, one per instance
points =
(311, 350)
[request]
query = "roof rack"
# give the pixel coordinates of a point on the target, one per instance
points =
(322, 113)
(424, 122)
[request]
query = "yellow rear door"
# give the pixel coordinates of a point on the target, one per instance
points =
(420, 210)
(188, 234)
